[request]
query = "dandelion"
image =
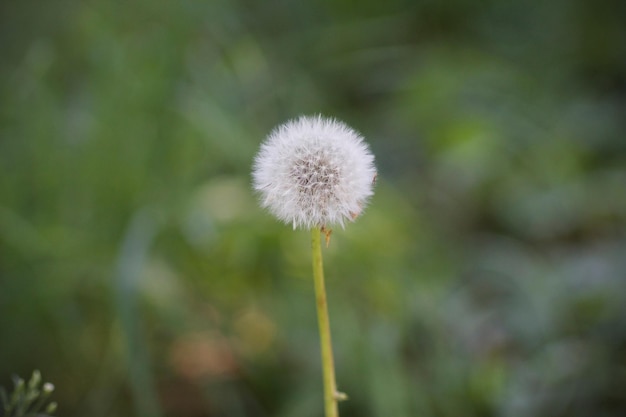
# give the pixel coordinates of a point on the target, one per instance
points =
(312, 173)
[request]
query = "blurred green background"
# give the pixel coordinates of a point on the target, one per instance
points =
(486, 278)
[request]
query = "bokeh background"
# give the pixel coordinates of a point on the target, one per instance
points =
(486, 278)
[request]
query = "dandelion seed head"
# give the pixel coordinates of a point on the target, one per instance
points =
(314, 171)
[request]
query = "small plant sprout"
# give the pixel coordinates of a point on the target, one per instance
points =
(27, 399)
(313, 173)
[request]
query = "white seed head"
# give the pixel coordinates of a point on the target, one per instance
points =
(313, 172)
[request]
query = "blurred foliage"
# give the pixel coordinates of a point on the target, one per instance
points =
(27, 398)
(487, 277)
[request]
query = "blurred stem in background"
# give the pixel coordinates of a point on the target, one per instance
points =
(331, 396)
(132, 256)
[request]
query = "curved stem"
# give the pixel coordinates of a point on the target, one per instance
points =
(328, 366)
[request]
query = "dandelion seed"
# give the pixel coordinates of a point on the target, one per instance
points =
(313, 171)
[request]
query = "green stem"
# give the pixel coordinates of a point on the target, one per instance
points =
(328, 366)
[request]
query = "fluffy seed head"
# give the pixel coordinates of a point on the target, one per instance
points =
(313, 172)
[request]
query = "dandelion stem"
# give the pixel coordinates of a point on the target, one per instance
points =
(328, 367)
